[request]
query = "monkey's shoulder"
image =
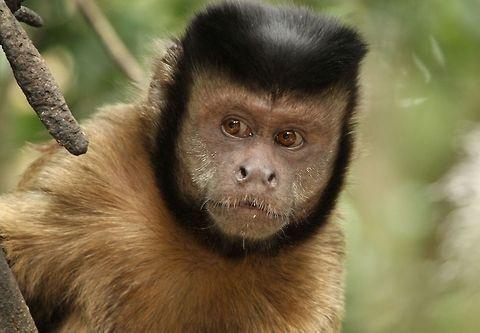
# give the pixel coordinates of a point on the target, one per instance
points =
(114, 179)
(117, 135)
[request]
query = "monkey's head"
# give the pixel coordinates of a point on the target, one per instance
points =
(256, 125)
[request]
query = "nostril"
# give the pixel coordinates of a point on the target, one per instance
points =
(271, 177)
(243, 172)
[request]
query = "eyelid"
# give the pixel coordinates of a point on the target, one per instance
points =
(237, 116)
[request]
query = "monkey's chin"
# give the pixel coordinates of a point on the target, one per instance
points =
(247, 223)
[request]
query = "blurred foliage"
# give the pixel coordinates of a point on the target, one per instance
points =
(420, 83)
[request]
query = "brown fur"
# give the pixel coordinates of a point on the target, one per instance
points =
(92, 232)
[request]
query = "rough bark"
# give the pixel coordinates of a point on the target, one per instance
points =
(14, 314)
(38, 84)
(28, 16)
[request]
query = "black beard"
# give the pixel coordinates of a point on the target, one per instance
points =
(193, 219)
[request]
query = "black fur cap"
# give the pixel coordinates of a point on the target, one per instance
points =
(274, 48)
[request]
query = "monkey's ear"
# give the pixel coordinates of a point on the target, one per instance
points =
(164, 66)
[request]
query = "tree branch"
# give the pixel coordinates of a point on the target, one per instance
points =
(110, 39)
(28, 16)
(14, 314)
(38, 84)
(24, 14)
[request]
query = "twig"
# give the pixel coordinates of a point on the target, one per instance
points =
(14, 314)
(28, 16)
(110, 40)
(24, 14)
(38, 84)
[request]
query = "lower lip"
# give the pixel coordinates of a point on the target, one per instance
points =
(251, 210)
(248, 207)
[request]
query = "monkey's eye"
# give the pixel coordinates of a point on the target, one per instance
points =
(289, 139)
(236, 127)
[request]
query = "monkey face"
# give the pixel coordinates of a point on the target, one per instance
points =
(255, 130)
(258, 163)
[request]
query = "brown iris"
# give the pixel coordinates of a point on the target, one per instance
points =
(236, 127)
(289, 138)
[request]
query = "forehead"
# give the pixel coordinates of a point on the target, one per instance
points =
(215, 92)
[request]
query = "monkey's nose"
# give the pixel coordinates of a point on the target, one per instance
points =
(270, 179)
(242, 174)
(266, 175)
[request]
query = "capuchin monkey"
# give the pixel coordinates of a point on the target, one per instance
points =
(207, 205)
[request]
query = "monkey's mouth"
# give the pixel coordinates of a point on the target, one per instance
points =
(251, 205)
(247, 217)
(248, 205)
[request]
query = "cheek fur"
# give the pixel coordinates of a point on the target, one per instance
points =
(310, 181)
(198, 162)
(305, 185)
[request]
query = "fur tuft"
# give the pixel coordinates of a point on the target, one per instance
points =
(274, 48)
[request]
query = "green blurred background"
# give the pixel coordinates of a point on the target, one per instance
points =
(412, 207)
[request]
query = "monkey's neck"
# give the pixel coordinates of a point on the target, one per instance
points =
(299, 289)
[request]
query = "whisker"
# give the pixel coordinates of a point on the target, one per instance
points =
(204, 203)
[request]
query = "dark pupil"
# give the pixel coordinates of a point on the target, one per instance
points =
(287, 136)
(233, 124)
